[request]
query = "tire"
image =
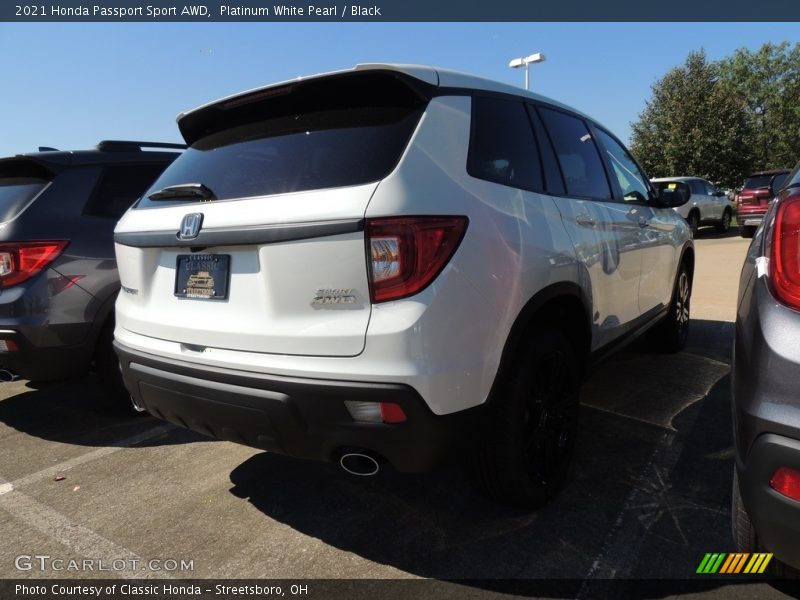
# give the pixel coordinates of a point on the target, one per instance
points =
(747, 231)
(671, 334)
(694, 221)
(725, 224)
(116, 397)
(744, 534)
(745, 537)
(525, 456)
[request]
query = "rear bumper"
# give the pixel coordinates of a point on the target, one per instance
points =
(750, 216)
(775, 517)
(45, 364)
(304, 418)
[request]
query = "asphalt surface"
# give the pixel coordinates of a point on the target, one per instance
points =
(648, 496)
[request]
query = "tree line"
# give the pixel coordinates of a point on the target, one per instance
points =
(725, 119)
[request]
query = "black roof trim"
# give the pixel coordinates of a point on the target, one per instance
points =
(132, 146)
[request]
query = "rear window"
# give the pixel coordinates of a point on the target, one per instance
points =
(16, 193)
(758, 181)
(319, 136)
(120, 186)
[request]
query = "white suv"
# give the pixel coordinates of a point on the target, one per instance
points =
(395, 263)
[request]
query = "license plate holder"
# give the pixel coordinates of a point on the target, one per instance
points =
(202, 276)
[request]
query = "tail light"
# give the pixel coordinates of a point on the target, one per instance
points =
(408, 253)
(785, 253)
(19, 261)
(375, 412)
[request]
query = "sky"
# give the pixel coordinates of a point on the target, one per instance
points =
(71, 85)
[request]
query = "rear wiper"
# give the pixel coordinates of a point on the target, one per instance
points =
(184, 191)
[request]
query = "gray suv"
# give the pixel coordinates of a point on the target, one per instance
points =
(766, 375)
(58, 274)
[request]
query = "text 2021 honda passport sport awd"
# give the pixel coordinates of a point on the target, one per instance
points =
(390, 263)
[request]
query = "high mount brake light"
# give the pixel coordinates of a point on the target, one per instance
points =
(407, 253)
(19, 261)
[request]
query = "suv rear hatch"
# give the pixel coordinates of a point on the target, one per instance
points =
(755, 195)
(278, 180)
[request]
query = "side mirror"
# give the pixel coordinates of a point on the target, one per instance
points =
(670, 194)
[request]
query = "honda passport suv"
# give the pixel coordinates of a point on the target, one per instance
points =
(58, 275)
(395, 263)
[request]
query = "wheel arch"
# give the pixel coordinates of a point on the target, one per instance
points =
(561, 303)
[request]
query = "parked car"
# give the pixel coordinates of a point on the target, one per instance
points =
(395, 263)
(755, 196)
(766, 373)
(58, 273)
(707, 205)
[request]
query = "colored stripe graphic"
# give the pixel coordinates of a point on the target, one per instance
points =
(734, 563)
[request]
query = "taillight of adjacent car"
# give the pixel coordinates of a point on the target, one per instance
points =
(19, 261)
(406, 254)
(784, 252)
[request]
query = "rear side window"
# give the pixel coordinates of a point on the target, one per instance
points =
(118, 187)
(502, 148)
(331, 133)
(577, 154)
(779, 180)
(16, 193)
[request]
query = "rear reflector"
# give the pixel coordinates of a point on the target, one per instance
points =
(375, 412)
(407, 253)
(19, 261)
(8, 346)
(786, 481)
(785, 253)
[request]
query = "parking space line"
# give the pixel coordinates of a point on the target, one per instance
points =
(77, 538)
(52, 471)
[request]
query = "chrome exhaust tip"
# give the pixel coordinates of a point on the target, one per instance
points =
(137, 406)
(358, 463)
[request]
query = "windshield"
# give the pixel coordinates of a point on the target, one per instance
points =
(16, 193)
(793, 179)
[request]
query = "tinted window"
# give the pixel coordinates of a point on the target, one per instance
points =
(757, 181)
(16, 193)
(327, 133)
(118, 187)
(779, 180)
(630, 178)
(697, 187)
(502, 147)
(577, 154)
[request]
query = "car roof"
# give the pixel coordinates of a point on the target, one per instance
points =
(679, 178)
(107, 151)
(435, 76)
(772, 172)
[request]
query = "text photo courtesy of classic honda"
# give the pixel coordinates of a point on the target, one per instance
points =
(396, 264)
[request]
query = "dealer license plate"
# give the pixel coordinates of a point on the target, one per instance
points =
(203, 276)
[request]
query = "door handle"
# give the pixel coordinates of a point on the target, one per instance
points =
(585, 220)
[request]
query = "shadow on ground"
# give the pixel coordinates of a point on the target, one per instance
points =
(643, 500)
(76, 412)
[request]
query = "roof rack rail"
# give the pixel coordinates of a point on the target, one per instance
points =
(130, 146)
(47, 149)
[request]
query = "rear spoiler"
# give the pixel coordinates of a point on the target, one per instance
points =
(375, 88)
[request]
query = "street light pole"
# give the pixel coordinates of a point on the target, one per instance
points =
(527, 61)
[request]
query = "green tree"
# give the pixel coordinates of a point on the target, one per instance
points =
(768, 80)
(694, 125)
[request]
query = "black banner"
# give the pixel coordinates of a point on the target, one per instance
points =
(369, 589)
(400, 10)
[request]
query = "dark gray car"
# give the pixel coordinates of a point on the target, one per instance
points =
(766, 380)
(58, 274)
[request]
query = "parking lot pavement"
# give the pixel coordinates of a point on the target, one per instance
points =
(648, 496)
